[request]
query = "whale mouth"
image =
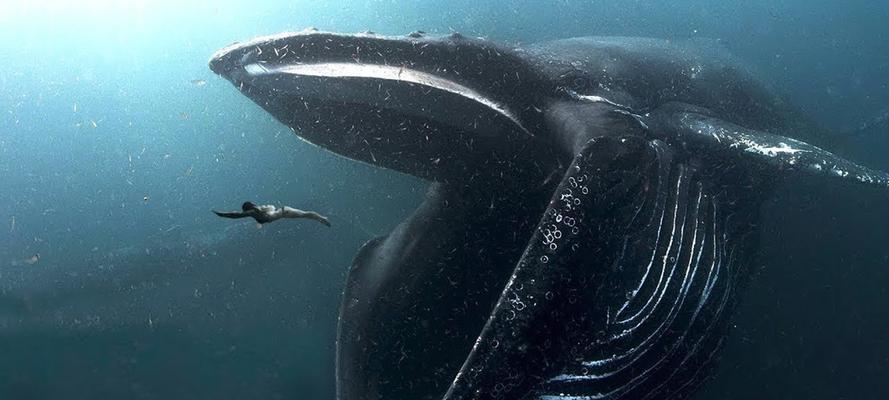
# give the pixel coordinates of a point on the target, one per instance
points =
(352, 75)
(430, 107)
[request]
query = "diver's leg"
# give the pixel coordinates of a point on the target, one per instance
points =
(289, 212)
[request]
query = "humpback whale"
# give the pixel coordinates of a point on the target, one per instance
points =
(592, 210)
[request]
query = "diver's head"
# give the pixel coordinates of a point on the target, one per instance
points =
(247, 206)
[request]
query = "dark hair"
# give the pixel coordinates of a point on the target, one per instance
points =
(247, 206)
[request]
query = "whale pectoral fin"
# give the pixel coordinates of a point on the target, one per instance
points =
(710, 135)
(522, 344)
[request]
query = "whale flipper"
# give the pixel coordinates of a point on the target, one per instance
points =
(637, 312)
(527, 328)
(701, 132)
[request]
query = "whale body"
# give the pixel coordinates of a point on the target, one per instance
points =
(591, 216)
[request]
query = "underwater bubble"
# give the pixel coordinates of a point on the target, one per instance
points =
(548, 238)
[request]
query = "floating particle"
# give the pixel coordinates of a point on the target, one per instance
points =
(33, 259)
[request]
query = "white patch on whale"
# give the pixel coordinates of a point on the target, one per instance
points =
(770, 151)
(389, 73)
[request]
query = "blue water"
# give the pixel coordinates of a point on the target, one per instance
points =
(116, 141)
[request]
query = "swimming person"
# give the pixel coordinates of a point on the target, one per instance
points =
(268, 213)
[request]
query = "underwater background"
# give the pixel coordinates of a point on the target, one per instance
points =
(116, 140)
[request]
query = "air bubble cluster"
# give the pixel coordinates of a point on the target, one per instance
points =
(563, 214)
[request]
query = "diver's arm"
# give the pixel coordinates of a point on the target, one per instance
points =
(233, 214)
(289, 212)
